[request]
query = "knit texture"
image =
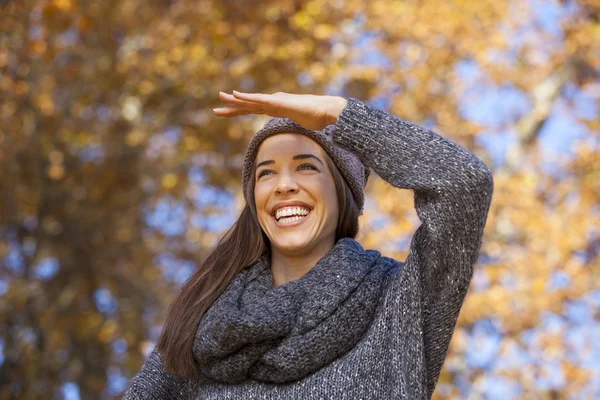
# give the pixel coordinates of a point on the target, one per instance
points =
(282, 334)
(355, 173)
(401, 354)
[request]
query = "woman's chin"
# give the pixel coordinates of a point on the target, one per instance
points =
(291, 242)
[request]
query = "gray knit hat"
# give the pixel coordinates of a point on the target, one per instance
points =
(355, 173)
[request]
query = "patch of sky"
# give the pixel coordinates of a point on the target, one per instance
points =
(484, 340)
(105, 301)
(579, 339)
(149, 315)
(105, 113)
(558, 280)
(305, 78)
(119, 345)
(36, 32)
(196, 175)
(590, 352)
(444, 389)
(429, 123)
(379, 221)
(117, 382)
(369, 53)
(14, 260)
(211, 195)
(154, 333)
(572, 199)
(29, 246)
(383, 103)
(3, 286)
(497, 145)
(560, 131)
(218, 223)
(402, 242)
(530, 337)
(481, 280)
(30, 222)
(163, 143)
(358, 22)
(585, 105)
(500, 388)
(463, 383)
(46, 268)
(551, 376)
(247, 84)
(168, 216)
(508, 57)
(408, 46)
(582, 256)
(1, 351)
(592, 389)
(513, 357)
(27, 335)
(593, 298)
(486, 258)
(552, 168)
(529, 33)
(70, 391)
(493, 106)
(469, 71)
(94, 152)
(208, 196)
(548, 15)
(87, 112)
(172, 133)
(68, 38)
(174, 269)
(509, 281)
(578, 312)
(553, 323)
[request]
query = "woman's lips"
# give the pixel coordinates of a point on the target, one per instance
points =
(290, 224)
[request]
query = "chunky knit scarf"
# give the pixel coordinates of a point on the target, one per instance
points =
(277, 335)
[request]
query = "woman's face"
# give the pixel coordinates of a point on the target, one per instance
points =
(281, 178)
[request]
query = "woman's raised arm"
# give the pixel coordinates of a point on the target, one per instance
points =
(452, 195)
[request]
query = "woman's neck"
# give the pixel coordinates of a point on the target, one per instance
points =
(287, 267)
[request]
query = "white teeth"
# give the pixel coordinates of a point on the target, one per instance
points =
(288, 211)
(288, 220)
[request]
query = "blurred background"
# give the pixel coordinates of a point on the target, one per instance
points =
(116, 178)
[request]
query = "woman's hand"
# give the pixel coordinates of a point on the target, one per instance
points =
(310, 111)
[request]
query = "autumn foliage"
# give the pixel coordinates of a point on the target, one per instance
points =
(116, 179)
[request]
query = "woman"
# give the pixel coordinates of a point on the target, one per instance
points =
(289, 305)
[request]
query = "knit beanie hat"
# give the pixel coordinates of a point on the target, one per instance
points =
(355, 173)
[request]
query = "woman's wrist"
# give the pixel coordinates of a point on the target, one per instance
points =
(338, 104)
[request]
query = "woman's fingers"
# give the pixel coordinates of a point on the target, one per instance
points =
(255, 97)
(248, 103)
(233, 111)
(231, 99)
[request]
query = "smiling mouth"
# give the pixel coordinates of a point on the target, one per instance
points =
(291, 221)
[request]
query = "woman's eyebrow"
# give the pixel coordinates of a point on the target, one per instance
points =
(296, 157)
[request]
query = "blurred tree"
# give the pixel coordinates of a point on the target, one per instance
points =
(117, 179)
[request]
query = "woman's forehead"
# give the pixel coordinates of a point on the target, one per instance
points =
(282, 145)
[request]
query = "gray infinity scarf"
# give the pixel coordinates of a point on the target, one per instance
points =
(278, 335)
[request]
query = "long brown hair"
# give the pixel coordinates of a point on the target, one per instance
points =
(241, 245)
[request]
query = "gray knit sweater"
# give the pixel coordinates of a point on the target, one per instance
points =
(401, 354)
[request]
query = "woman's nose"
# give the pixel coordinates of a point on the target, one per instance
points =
(286, 183)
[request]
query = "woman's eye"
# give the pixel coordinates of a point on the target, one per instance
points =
(308, 165)
(264, 171)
